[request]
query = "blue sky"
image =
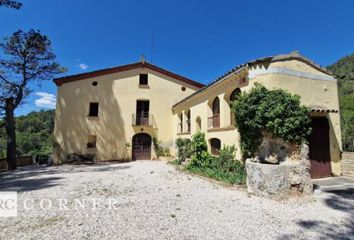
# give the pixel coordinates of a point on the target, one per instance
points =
(200, 39)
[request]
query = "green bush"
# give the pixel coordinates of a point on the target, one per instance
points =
(223, 168)
(159, 150)
(167, 152)
(276, 112)
(175, 162)
(184, 146)
(200, 155)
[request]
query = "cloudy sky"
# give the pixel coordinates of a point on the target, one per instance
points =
(200, 39)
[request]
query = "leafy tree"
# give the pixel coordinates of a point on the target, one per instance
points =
(27, 57)
(276, 112)
(34, 134)
(10, 4)
(344, 71)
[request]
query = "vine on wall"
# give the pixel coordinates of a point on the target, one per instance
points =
(275, 112)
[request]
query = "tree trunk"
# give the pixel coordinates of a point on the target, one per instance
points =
(11, 134)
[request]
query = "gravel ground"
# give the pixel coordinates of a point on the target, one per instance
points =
(155, 201)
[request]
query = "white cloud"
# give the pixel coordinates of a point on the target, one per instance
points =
(83, 66)
(46, 100)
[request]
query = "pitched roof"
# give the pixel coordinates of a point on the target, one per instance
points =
(281, 57)
(142, 64)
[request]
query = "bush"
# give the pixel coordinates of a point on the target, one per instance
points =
(223, 168)
(276, 112)
(184, 146)
(167, 152)
(200, 155)
(159, 150)
(175, 162)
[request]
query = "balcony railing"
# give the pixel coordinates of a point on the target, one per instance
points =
(143, 120)
(214, 121)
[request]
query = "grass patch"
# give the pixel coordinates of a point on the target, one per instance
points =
(176, 162)
(232, 178)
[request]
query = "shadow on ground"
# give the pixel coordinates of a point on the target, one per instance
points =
(339, 200)
(30, 178)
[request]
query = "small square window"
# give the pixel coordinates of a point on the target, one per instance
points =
(91, 143)
(93, 112)
(143, 79)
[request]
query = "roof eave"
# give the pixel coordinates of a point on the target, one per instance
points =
(102, 72)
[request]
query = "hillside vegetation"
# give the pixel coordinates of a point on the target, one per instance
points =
(34, 134)
(344, 70)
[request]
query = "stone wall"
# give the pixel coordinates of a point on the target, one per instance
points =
(279, 181)
(348, 164)
(279, 170)
(21, 161)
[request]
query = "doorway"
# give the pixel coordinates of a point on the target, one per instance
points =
(320, 156)
(141, 147)
(142, 112)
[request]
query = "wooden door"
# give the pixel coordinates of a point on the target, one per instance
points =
(142, 112)
(141, 147)
(320, 156)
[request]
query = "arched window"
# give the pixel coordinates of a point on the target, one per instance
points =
(198, 122)
(216, 106)
(215, 145)
(214, 121)
(235, 94)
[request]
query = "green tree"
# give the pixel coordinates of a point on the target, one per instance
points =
(343, 69)
(275, 112)
(27, 58)
(34, 134)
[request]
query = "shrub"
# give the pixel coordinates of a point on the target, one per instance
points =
(175, 162)
(276, 112)
(167, 152)
(200, 156)
(159, 150)
(223, 168)
(184, 147)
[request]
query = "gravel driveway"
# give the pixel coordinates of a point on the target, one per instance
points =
(152, 200)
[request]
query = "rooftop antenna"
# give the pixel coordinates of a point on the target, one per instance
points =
(142, 58)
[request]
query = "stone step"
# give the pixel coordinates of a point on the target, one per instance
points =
(348, 164)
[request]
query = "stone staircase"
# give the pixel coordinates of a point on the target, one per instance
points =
(348, 164)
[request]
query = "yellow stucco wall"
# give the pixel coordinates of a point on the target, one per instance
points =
(315, 88)
(117, 95)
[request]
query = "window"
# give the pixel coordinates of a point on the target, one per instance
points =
(216, 106)
(142, 113)
(180, 117)
(93, 112)
(183, 89)
(198, 124)
(188, 121)
(143, 79)
(234, 95)
(214, 120)
(91, 143)
(215, 145)
(94, 83)
(242, 81)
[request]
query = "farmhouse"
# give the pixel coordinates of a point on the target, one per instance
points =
(118, 113)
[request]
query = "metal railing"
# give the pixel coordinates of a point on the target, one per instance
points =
(214, 121)
(143, 120)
